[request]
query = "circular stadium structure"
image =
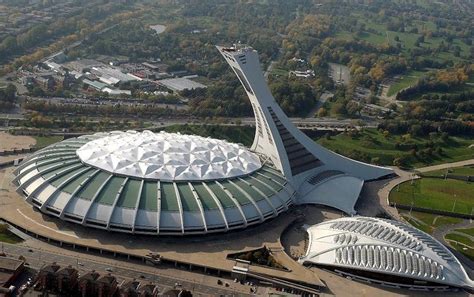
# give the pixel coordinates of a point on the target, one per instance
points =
(384, 251)
(149, 183)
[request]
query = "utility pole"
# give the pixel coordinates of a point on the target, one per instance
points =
(454, 205)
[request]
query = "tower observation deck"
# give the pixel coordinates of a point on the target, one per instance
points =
(319, 175)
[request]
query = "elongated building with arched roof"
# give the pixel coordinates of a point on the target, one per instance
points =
(394, 253)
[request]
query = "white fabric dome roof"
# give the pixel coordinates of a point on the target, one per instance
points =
(168, 156)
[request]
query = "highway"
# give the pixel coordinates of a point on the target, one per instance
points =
(123, 270)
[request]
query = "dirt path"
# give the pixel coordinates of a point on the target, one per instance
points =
(8, 141)
(445, 165)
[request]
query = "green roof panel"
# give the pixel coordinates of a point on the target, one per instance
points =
(110, 191)
(236, 193)
(188, 201)
(149, 197)
(168, 197)
(207, 201)
(256, 196)
(72, 186)
(129, 195)
(221, 195)
(89, 190)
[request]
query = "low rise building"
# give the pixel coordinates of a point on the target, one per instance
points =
(180, 84)
(67, 279)
(96, 85)
(107, 286)
(88, 284)
(45, 82)
(302, 74)
(48, 278)
(10, 270)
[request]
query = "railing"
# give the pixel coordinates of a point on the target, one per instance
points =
(432, 211)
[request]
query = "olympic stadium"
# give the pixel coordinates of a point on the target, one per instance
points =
(173, 184)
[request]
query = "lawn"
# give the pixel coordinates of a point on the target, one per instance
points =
(371, 143)
(463, 171)
(438, 194)
(7, 236)
(405, 81)
(466, 244)
(469, 231)
(427, 222)
(279, 72)
(43, 141)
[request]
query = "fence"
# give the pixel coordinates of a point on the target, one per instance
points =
(18, 151)
(433, 211)
(467, 178)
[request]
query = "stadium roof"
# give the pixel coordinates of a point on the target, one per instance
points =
(68, 181)
(385, 247)
(168, 156)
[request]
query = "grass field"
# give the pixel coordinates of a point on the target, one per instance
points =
(447, 195)
(279, 72)
(469, 231)
(466, 246)
(370, 143)
(428, 222)
(7, 236)
(42, 141)
(464, 171)
(405, 81)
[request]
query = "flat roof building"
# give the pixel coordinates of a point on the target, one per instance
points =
(10, 269)
(180, 84)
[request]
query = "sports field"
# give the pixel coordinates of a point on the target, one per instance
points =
(437, 194)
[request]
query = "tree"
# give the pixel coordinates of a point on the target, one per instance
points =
(322, 112)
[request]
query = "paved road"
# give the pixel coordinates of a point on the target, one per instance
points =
(445, 166)
(440, 232)
(123, 270)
